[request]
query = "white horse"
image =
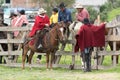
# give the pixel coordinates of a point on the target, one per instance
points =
(74, 28)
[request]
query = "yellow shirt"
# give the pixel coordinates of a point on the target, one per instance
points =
(54, 18)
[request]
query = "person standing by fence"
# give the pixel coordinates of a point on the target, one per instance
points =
(89, 36)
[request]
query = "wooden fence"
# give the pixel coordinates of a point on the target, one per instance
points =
(112, 36)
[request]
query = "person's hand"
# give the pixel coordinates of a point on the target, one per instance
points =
(46, 25)
(105, 22)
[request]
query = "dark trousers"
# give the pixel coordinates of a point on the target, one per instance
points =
(86, 56)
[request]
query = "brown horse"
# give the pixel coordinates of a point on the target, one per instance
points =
(50, 44)
(3, 35)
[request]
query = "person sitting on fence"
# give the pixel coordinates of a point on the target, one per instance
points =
(18, 20)
(54, 17)
(14, 18)
(64, 14)
(22, 20)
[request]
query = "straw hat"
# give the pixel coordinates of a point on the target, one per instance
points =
(12, 14)
(78, 6)
(41, 11)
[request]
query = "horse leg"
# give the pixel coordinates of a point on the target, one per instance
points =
(38, 59)
(24, 54)
(52, 60)
(88, 62)
(47, 60)
(117, 57)
(30, 58)
(83, 60)
(1, 59)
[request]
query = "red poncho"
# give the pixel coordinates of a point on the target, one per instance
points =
(90, 36)
(39, 24)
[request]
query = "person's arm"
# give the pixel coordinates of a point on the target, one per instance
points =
(59, 18)
(68, 17)
(87, 14)
(51, 20)
(79, 17)
(46, 22)
(25, 19)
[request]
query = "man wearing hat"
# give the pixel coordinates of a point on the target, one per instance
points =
(82, 13)
(41, 21)
(64, 14)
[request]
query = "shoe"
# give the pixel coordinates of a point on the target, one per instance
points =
(38, 61)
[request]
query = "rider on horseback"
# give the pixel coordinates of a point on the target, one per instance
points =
(54, 17)
(41, 21)
(65, 16)
(82, 13)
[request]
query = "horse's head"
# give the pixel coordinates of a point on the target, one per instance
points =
(66, 31)
(61, 31)
(75, 27)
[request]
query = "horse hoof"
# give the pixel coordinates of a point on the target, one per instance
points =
(71, 67)
(47, 69)
(23, 68)
(38, 61)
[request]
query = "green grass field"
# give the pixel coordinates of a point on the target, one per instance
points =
(9, 73)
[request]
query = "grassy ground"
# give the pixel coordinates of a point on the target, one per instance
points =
(12, 73)
(7, 73)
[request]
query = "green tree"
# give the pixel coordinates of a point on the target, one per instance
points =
(50, 4)
(115, 3)
(55, 3)
(93, 13)
(1, 2)
(104, 9)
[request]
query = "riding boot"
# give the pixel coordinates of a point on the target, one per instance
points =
(40, 44)
(88, 62)
(85, 62)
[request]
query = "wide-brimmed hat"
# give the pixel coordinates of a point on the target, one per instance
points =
(86, 21)
(62, 5)
(41, 11)
(12, 14)
(78, 6)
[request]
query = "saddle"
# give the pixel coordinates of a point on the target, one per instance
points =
(40, 36)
